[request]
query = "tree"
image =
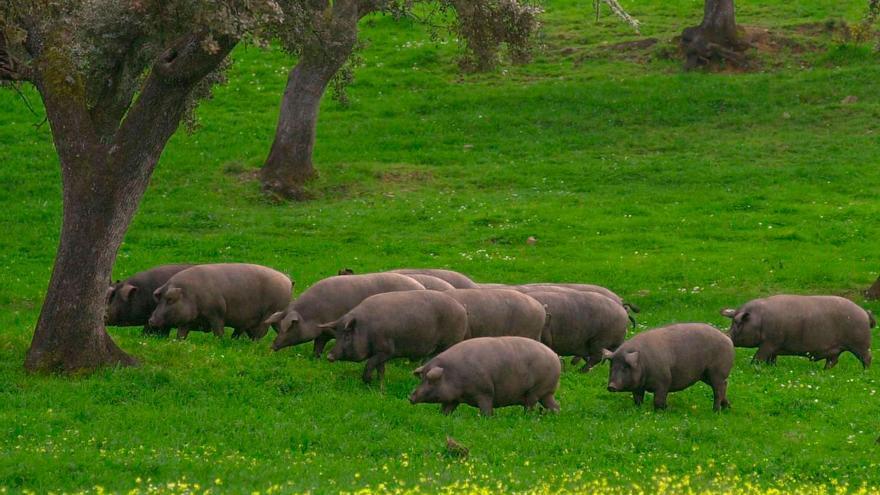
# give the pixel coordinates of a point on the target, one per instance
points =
(323, 35)
(873, 292)
(116, 77)
(717, 38)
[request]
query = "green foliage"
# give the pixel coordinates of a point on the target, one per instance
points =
(686, 193)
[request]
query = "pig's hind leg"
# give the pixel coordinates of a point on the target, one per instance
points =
(549, 402)
(718, 382)
(864, 356)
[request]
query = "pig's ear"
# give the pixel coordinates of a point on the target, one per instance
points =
(351, 324)
(434, 374)
(275, 318)
(157, 294)
(728, 312)
(632, 358)
(418, 371)
(126, 291)
(607, 355)
(743, 317)
(173, 295)
(109, 293)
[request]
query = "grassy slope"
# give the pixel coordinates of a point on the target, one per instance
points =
(683, 192)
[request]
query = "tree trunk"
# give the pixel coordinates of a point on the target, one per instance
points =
(873, 293)
(715, 39)
(70, 334)
(103, 184)
(289, 165)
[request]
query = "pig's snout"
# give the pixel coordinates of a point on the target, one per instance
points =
(154, 322)
(412, 398)
(613, 388)
(331, 357)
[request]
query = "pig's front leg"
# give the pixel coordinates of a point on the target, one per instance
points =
(639, 397)
(448, 408)
(217, 326)
(182, 332)
(485, 405)
(376, 362)
(320, 342)
(660, 398)
(766, 353)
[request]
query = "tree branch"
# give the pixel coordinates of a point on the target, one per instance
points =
(156, 114)
(10, 68)
(187, 61)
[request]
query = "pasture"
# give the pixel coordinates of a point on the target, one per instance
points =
(683, 192)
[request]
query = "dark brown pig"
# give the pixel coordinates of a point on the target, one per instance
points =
(490, 372)
(500, 312)
(130, 302)
(413, 324)
(818, 327)
(212, 297)
(327, 301)
(457, 280)
(672, 358)
(582, 324)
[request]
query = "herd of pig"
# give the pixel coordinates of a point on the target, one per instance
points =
(486, 345)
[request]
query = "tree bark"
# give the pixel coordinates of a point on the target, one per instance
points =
(289, 165)
(715, 39)
(873, 293)
(103, 184)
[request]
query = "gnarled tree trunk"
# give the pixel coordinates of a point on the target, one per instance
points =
(289, 165)
(104, 176)
(715, 39)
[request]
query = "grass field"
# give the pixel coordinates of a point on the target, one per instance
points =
(685, 193)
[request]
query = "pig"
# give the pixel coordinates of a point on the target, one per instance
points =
(672, 358)
(582, 324)
(327, 301)
(817, 327)
(430, 282)
(412, 324)
(130, 302)
(584, 288)
(211, 297)
(490, 372)
(495, 286)
(499, 312)
(457, 280)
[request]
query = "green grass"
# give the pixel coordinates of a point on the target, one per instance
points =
(685, 193)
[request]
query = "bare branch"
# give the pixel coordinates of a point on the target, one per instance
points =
(620, 12)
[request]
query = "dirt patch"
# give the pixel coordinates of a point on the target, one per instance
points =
(629, 46)
(766, 48)
(404, 176)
